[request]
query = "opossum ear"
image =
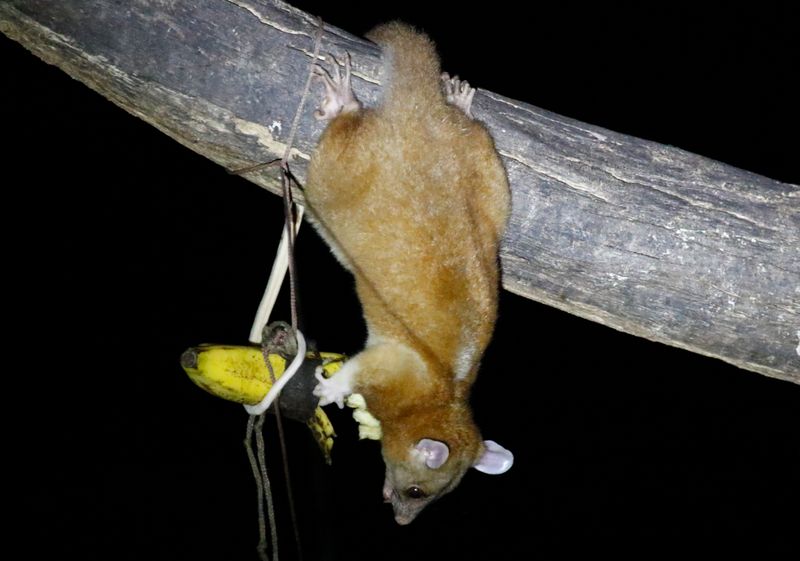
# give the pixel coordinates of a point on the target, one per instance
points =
(495, 459)
(434, 452)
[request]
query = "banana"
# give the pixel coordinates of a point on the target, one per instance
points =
(368, 426)
(239, 374)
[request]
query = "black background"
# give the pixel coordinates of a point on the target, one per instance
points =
(124, 248)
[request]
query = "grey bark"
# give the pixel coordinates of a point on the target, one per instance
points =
(644, 238)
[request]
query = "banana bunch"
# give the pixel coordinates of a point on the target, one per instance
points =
(239, 373)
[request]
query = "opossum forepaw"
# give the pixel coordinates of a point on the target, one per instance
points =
(332, 390)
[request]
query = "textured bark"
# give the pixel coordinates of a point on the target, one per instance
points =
(644, 238)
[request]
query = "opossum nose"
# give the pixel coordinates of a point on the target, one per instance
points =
(403, 520)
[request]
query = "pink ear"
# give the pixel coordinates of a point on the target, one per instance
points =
(495, 459)
(434, 452)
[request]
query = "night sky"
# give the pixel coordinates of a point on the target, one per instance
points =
(127, 248)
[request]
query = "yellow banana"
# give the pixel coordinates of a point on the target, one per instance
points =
(239, 373)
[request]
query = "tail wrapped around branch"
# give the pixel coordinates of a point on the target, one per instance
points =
(412, 69)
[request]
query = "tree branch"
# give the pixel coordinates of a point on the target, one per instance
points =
(644, 238)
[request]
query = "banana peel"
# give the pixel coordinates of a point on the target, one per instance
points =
(239, 374)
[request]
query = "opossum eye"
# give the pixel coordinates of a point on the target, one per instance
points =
(415, 492)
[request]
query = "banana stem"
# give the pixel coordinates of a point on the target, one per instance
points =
(292, 369)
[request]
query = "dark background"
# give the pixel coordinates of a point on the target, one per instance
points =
(124, 248)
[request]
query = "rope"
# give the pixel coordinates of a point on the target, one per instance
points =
(258, 462)
(286, 176)
(263, 487)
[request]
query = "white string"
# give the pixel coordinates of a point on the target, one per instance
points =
(276, 278)
(273, 392)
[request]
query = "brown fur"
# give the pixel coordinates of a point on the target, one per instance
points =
(413, 199)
